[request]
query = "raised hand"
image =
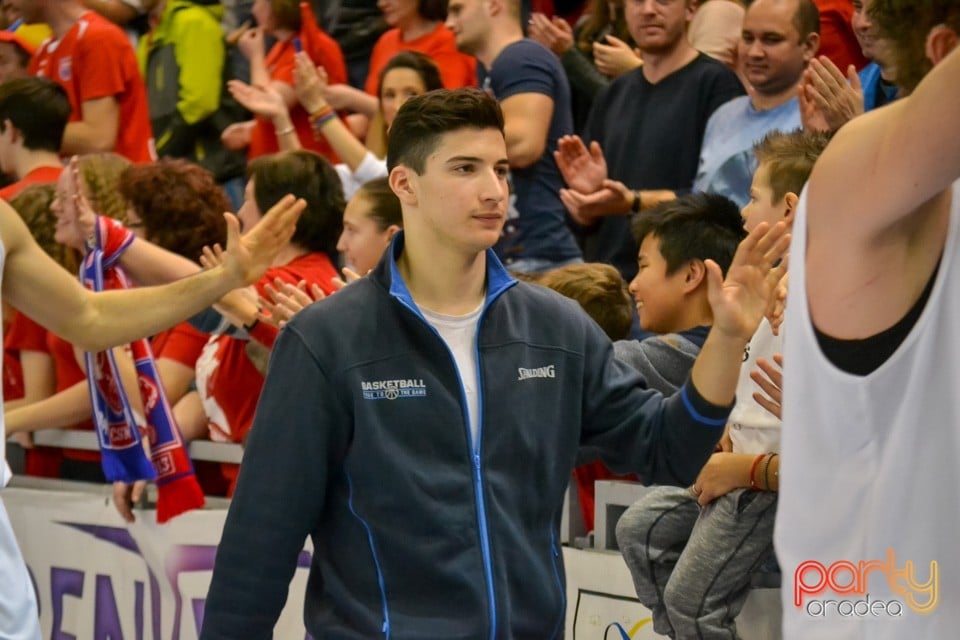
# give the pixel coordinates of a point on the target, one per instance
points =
(740, 301)
(263, 101)
(615, 57)
(582, 170)
(555, 34)
(250, 43)
(310, 83)
(284, 300)
(829, 100)
(248, 257)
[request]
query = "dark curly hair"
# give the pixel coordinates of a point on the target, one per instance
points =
(180, 204)
(306, 175)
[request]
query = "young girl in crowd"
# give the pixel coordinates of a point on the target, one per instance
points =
(407, 74)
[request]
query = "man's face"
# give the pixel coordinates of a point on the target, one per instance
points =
(762, 207)
(10, 62)
(871, 44)
(460, 200)
(659, 297)
(32, 11)
(469, 22)
(658, 26)
(9, 11)
(772, 53)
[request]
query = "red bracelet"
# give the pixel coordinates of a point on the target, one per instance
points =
(753, 470)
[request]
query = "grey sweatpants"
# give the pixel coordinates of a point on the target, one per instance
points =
(692, 566)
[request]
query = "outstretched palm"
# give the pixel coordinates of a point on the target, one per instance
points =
(740, 301)
(263, 101)
(583, 170)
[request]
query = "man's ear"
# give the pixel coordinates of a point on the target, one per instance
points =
(403, 182)
(8, 126)
(790, 200)
(940, 42)
(696, 273)
(392, 231)
(811, 44)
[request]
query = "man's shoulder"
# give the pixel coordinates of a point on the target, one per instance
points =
(526, 52)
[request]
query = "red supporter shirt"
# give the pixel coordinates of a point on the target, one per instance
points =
(456, 69)
(227, 380)
(182, 343)
(96, 60)
(40, 175)
(280, 64)
(24, 334)
(837, 40)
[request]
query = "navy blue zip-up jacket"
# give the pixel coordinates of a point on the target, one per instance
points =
(361, 442)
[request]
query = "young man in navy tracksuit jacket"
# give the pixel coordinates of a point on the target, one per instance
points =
(421, 425)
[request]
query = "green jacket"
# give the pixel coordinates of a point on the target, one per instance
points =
(182, 61)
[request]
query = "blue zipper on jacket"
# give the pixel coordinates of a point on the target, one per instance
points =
(498, 281)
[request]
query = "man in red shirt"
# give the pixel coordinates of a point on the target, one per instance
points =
(93, 61)
(33, 116)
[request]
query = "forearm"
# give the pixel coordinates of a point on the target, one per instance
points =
(717, 369)
(582, 73)
(523, 146)
(81, 137)
(287, 138)
(259, 76)
(65, 409)
(149, 264)
(116, 317)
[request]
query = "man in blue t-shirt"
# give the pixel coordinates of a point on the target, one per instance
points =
(779, 38)
(528, 81)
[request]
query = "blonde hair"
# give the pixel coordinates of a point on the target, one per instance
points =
(101, 174)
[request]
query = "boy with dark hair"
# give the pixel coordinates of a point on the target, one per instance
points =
(693, 551)
(432, 412)
(670, 289)
(33, 115)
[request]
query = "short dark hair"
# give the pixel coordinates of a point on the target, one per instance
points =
(789, 158)
(806, 19)
(306, 175)
(422, 64)
(906, 24)
(599, 289)
(385, 205)
(421, 121)
(180, 203)
(38, 108)
(698, 226)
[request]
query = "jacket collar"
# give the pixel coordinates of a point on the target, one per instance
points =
(387, 274)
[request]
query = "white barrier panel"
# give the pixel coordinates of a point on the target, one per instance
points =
(97, 577)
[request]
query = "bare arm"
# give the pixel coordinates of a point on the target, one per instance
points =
(33, 283)
(39, 379)
(526, 118)
(72, 405)
(116, 11)
(899, 156)
(96, 131)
